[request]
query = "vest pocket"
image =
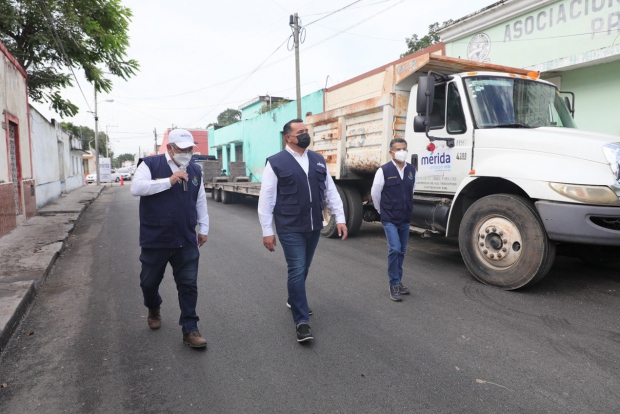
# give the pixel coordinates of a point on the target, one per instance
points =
(160, 229)
(290, 210)
(285, 177)
(288, 195)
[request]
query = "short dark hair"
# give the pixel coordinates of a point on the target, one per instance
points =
(287, 127)
(396, 141)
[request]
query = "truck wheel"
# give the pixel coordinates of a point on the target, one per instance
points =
(354, 210)
(329, 220)
(213, 194)
(504, 243)
(227, 197)
(218, 194)
(117, 180)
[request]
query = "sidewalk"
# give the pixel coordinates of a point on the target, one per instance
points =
(28, 253)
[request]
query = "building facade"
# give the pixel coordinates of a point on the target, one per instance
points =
(575, 44)
(201, 138)
(258, 136)
(17, 184)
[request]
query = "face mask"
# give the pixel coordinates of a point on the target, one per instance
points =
(182, 159)
(401, 156)
(303, 140)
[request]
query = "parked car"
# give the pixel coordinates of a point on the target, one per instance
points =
(125, 173)
(114, 177)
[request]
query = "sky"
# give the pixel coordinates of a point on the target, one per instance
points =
(199, 57)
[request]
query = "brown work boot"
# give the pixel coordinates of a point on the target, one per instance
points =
(154, 319)
(194, 339)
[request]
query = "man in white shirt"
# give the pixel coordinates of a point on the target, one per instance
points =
(172, 204)
(392, 196)
(295, 184)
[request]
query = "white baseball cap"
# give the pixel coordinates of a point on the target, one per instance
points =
(181, 138)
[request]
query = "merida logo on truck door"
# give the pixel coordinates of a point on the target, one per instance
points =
(439, 161)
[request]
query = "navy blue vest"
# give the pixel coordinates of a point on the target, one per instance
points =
(397, 195)
(168, 219)
(299, 209)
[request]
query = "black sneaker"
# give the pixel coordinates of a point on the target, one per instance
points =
(395, 293)
(288, 305)
(303, 332)
(404, 290)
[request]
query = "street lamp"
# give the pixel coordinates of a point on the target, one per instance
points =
(97, 136)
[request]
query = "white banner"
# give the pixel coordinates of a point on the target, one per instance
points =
(105, 169)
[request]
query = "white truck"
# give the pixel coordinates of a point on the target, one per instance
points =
(500, 164)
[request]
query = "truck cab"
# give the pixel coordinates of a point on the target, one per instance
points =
(502, 166)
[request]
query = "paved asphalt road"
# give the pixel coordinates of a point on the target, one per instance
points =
(454, 345)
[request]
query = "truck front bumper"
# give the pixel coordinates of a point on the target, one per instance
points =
(580, 223)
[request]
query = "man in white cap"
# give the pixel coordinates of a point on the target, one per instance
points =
(172, 203)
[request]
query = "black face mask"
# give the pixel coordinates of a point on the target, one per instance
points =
(303, 140)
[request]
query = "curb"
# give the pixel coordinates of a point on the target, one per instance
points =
(24, 303)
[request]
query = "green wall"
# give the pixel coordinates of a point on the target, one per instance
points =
(597, 92)
(261, 135)
(568, 29)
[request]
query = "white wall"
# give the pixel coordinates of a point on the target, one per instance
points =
(57, 163)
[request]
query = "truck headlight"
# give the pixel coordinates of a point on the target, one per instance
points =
(612, 153)
(590, 194)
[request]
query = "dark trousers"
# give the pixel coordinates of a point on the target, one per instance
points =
(298, 250)
(184, 262)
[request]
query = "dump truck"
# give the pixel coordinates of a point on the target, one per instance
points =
(500, 163)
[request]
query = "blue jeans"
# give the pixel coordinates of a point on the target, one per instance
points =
(397, 238)
(298, 250)
(184, 262)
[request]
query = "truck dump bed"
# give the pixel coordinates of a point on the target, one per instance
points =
(363, 115)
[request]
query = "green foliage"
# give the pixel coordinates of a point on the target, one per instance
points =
(118, 161)
(228, 117)
(92, 33)
(87, 135)
(274, 105)
(414, 43)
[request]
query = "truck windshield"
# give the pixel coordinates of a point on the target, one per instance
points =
(499, 102)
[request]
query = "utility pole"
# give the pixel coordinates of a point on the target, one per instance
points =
(107, 138)
(97, 140)
(155, 133)
(294, 22)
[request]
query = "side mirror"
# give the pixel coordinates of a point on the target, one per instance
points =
(426, 95)
(419, 123)
(568, 105)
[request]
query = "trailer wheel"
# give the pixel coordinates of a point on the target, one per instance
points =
(227, 197)
(504, 243)
(218, 194)
(354, 210)
(329, 220)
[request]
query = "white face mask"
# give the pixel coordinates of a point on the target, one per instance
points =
(182, 158)
(401, 156)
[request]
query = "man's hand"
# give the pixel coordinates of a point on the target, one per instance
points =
(202, 239)
(270, 243)
(342, 231)
(178, 176)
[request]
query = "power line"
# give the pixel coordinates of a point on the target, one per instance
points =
(243, 81)
(352, 8)
(334, 12)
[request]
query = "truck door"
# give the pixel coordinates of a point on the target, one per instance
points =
(441, 169)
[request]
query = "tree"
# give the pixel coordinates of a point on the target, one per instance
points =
(228, 117)
(118, 161)
(414, 43)
(87, 135)
(48, 36)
